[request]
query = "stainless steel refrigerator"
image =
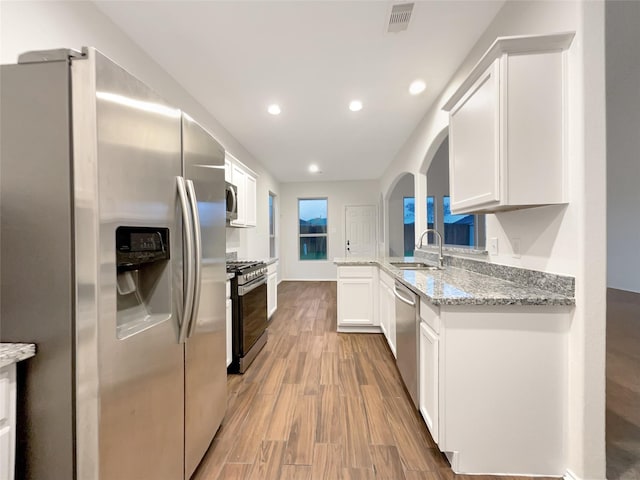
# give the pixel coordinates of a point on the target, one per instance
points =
(112, 261)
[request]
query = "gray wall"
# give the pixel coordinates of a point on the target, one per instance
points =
(623, 144)
(438, 181)
(404, 188)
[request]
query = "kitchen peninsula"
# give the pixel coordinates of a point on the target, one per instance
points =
(492, 354)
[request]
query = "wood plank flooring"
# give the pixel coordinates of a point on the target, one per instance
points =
(623, 385)
(317, 404)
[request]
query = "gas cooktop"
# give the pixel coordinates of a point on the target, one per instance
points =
(243, 266)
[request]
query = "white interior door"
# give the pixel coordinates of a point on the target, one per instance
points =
(360, 230)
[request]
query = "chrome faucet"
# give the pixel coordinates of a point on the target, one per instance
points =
(440, 257)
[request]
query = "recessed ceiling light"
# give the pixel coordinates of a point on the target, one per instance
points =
(417, 87)
(274, 109)
(313, 168)
(355, 105)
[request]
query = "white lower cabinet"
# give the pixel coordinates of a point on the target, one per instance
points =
(229, 318)
(7, 421)
(358, 299)
(493, 386)
(387, 310)
(272, 289)
(429, 388)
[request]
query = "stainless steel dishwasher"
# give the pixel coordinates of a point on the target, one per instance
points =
(407, 338)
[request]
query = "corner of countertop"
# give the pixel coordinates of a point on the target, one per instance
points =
(15, 352)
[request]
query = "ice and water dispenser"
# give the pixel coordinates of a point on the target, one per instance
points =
(143, 278)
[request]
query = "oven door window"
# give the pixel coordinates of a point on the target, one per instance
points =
(253, 308)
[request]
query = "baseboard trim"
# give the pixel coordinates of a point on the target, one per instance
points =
(358, 329)
(308, 280)
(569, 475)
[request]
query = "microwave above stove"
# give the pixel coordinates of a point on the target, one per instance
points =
(231, 194)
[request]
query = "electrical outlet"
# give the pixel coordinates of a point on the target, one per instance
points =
(493, 245)
(515, 246)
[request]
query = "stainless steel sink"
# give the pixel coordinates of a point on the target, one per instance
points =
(414, 266)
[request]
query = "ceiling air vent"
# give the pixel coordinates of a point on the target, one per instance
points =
(400, 16)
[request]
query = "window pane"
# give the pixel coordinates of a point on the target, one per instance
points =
(272, 226)
(458, 229)
(409, 225)
(313, 216)
(272, 229)
(431, 218)
(431, 212)
(409, 210)
(313, 248)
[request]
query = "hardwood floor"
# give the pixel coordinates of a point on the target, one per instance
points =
(623, 385)
(317, 404)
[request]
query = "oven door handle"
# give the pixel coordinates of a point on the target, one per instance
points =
(244, 289)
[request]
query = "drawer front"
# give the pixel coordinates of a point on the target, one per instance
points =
(430, 315)
(273, 268)
(356, 272)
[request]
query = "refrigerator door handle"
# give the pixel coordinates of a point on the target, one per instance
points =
(197, 237)
(187, 229)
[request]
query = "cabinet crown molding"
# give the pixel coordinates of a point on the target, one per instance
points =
(520, 44)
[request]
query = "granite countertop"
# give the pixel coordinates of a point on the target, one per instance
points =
(456, 286)
(15, 352)
(271, 260)
(230, 275)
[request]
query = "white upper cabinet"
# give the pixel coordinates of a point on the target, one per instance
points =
(228, 175)
(245, 179)
(508, 127)
(250, 200)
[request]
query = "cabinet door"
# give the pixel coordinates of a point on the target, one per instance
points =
(355, 301)
(7, 421)
(229, 333)
(428, 392)
(384, 309)
(240, 181)
(474, 144)
(391, 315)
(250, 201)
(6, 459)
(272, 294)
(228, 175)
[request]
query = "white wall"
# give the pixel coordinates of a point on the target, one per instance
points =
(45, 25)
(623, 144)
(561, 239)
(339, 195)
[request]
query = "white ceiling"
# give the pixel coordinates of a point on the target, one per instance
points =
(311, 57)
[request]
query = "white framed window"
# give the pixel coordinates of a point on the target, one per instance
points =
(312, 228)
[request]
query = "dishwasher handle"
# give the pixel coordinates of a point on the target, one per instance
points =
(401, 298)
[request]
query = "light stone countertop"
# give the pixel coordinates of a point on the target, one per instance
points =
(455, 286)
(15, 352)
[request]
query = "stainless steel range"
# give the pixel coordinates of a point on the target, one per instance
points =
(249, 301)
